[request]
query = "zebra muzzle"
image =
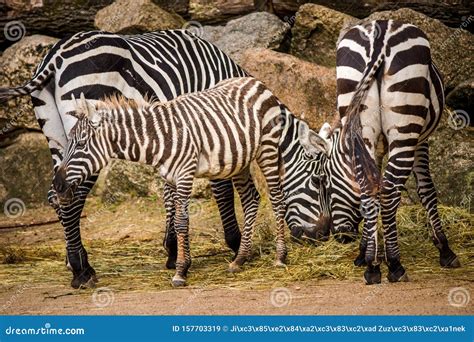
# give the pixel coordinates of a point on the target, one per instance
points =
(65, 190)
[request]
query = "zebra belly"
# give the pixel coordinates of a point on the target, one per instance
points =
(213, 167)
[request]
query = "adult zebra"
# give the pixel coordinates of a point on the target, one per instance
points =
(159, 65)
(390, 99)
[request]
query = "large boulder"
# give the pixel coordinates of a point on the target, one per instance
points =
(214, 11)
(451, 163)
(449, 12)
(306, 88)
(47, 17)
(259, 29)
(130, 17)
(451, 48)
(17, 66)
(26, 170)
(461, 99)
(315, 33)
(122, 180)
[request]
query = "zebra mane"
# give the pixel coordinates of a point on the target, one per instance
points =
(117, 101)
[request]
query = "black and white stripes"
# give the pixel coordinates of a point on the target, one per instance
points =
(214, 134)
(390, 98)
(159, 65)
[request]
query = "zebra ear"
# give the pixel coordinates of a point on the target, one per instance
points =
(325, 131)
(90, 111)
(311, 141)
(78, 113)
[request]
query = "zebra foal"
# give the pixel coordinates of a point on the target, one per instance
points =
(214, 134)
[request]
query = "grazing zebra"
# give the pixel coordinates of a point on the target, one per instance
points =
(159, 65)
(215, 133)
(390, 99)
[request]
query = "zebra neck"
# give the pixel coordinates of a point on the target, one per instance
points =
(142, 135)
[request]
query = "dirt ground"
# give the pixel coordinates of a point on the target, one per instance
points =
(315, 298)
(34, 279)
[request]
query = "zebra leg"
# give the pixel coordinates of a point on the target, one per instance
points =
(69, 215)
(170, 242)
(223, 192)
(181, 224)
(398, 170)
(270, 170)
(360, 259)
(250, 200)
(427, 193)
(369, 242)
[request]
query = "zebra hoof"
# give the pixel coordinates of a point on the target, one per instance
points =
(454, 263)
(171, 264)
(449, 259)
(84, 279)
(396, 272)
(234, 267)
(279, 263)
(372, 275)
(178, 281)
(397, 279)
(360, 261)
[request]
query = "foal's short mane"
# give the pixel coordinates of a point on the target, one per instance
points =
(117, 101)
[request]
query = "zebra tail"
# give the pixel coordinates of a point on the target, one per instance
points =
(366, 171)
(44, 72)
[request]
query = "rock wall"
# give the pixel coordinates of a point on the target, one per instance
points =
(294, 54)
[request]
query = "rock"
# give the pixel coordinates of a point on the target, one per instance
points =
(451, 164)
(304, 87)
(201, 188)
(259, 29)
(461, 98)
(451, 49)
(26, 169)
(122, 180)
(131, 17)
(215, 11)
(51, 18)
(449, 12)
(177, 6)
(315, 34)
(17, 66)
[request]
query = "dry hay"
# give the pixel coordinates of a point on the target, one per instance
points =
(129, 264)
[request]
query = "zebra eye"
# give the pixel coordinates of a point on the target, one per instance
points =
(81, 143)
